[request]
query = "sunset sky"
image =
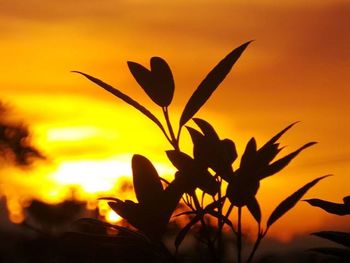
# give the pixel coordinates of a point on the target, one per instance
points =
(297, 69)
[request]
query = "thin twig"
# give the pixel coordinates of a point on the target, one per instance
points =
(239, 237)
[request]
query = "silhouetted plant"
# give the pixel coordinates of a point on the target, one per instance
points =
(209, 169)
(341, 238)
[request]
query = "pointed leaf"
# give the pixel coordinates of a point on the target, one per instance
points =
(210, 83)
(278, 135)
(220, 216)
(278, 165)
(201, 148)
(179, 159)
(249, 155)
(183, 232)
(342, 238)
(291, 201)
(127, 210)
(334, 251)
(330, 207)
(254, 208)
(267, 154)
(206, 128)
(147, 184)
(186, 213)
(123, 97)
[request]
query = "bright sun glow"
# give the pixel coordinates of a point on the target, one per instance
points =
(93, 176)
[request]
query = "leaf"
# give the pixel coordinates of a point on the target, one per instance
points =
(330, 207)
(333, 251)
(249, 154)
(254, 208)
(278, 135)
(164, 80)
(346, 200)
(158, 83)
(179, 159)
(201, 147)
(124, 98)
(267, 154)
(222, 217)
(210, 83)
(183, 232)
(342, 238)
(127, 210)
(278, 165)
(207, 129)
(104, 225)
(186, 213)
(147, 184)
(291, 201)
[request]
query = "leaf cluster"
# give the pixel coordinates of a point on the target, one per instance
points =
(341, 238)
(208, 171)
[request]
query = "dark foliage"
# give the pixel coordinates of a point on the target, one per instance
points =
(341, 238)
(15, 146)
(208, 172)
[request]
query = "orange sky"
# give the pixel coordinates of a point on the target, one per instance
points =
(297, 69)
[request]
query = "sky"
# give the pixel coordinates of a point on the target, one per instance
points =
(297, 69)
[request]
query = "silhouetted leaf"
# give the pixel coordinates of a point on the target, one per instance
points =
(330, 207)
(278, 165)
(341, 238)
(210, 83)
(129, 211)
(206, 128)
(249, 154)
(267, 154)
(186, 213)
(158, 82)
(291, 201)
(147, 185)
(220, 216)
(333, 251)
(123, 97)
(278, 135)
(105, 225)
(182, 234)
(254, 208)
(242, 188)
(179, 159)
(346, 200)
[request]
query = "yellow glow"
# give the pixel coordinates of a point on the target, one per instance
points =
(112, 217)
(71, 133)
(89, 136)
(92, 176)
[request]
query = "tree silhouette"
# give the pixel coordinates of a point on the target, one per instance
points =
(15, 145)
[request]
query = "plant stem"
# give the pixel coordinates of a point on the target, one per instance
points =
(210, 242)
(239, 236)
(255, 248)
(261, 235)
(170, 128)
(220, 224)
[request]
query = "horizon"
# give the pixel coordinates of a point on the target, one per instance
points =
(295, 70)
